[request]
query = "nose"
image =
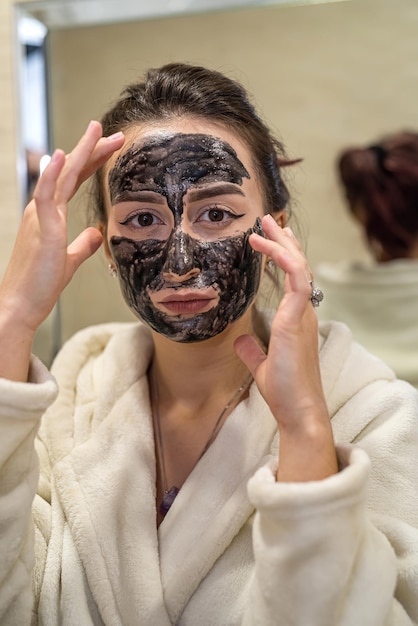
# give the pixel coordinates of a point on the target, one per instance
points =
(180, 263)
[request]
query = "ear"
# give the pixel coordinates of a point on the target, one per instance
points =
(280, 217)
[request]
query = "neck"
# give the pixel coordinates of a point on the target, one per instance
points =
(194, 388)
(197, 371)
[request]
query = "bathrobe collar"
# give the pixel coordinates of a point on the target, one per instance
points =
(100, 437)
(104, 470)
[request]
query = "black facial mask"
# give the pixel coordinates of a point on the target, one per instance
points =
(171, 166)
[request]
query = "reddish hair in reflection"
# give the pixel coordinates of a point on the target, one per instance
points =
(381, 186)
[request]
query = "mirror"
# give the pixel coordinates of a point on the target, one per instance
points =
(35, 21)
(324, 75)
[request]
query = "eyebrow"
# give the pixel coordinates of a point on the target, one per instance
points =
(221, 189)
(140, 196)
(193, 195)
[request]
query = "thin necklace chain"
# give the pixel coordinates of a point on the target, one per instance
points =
(213, 434)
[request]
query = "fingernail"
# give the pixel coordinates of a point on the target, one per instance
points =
(270, 218)
(115, 136)
(55, 156)
(91, 124)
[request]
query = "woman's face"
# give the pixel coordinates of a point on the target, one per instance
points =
(182, 200)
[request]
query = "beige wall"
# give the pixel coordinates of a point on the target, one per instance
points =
(323, 75)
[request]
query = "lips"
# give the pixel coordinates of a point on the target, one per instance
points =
(182, 302)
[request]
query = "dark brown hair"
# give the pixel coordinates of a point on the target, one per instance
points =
(381, 180)
(178, 90)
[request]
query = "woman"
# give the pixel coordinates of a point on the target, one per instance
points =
(378, 299)
(190, 471)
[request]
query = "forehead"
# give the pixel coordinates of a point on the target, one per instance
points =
(221, 139)
(174, 163)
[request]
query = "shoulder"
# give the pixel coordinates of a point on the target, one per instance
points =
(367, 273)
(342, 272)
(94, 370)
(115, 342)
(95, 338)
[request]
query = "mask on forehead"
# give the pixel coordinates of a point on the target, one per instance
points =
(171, 166)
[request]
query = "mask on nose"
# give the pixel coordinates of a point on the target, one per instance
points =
(171, 165)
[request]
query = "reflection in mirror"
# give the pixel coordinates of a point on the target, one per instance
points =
(33, 101)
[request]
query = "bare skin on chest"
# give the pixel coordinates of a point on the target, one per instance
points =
(185, 430)
(187, 415)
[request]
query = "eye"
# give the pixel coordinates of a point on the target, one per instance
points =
(145, 219)
(141, 219)
(217, 214)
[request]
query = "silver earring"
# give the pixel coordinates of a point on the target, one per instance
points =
(112, 271)
(270, 264)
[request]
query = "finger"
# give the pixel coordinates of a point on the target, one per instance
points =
(104, 149)
(46, 185)
(284, 236)
(275, 233)
(250, 353)
(83, 247)
(309, 275)
(75, 162)
(44, 192)
(290, 259)
(290, 236)
(284, 249)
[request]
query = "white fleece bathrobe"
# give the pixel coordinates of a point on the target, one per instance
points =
(236, 548)
(379, 302)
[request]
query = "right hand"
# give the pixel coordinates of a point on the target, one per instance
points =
(42, 262)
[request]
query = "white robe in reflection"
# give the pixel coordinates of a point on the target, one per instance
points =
(379, 302)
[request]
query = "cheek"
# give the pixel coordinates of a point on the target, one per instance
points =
(231, 264)
(144, 259)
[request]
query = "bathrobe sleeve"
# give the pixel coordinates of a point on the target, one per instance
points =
(344, 551)
(21, 409)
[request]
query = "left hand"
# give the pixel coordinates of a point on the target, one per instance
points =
(288, 376)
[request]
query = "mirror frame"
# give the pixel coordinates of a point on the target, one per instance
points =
(69, 13)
